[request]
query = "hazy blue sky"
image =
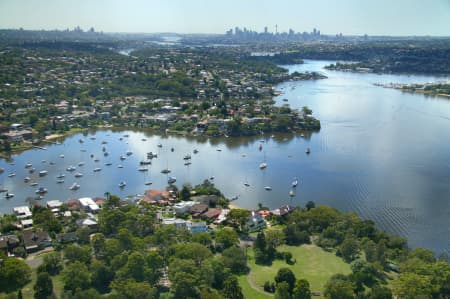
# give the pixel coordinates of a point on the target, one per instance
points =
(374, 17)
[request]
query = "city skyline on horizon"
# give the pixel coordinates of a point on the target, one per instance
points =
(402, 18)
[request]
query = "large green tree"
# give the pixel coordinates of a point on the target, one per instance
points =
(43, 286)
(14, 274)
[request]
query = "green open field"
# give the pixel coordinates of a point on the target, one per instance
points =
(313, 264)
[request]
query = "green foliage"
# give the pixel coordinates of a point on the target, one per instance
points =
(52, 263)
(14, 274)
(349, 249)
(76, 276)
(43, 286)
(339, 287)
(231, 289)
(45, 219)
(130, 289)
(226, 238)
(235, 259)
(282, 291)
(77, 253)
(301, 290)
(411, 285)
(192, 251)
(287, 276)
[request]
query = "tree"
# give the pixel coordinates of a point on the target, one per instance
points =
(286, 275)
(101, 276)
(238, 218)
(155, 264)
(227, 238)
(130, 289)
(43, 287)
(235, 259)
(194, 251)
(411, 285)
(379, 292)
(274, 238)
(76, 276)
(74, 253)
(82, 294)
(232, 289)
(14, 274)
(349, 249)
(282, 291)
(301, 290)
(83, 234)
(338, 287)
(52, 263)
(98, 244)
(185, 192)
(134, 269)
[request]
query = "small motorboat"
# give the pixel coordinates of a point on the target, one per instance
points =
(32, 170)
(122, 184)
(187, 157)
(263, 165)
(148, 183)
(129, 153)
(105, 154)
(122, 157)
(187, 163)
(195, 151)
(246, 184)
(159, 145)
(119, 166)
(78, 175)
(294, 183)
(81, 164)
(11, 175)
(260, 146)
(9, 195)
(145, 162)
(96, 159)
(71, 168)
(28, 165)
(43, 173)
(171, 180)
(33, 184)
(267, 188)
(97, 169)
(172, 149)
(166, 170)
(60, 181)
(26, 179)
(308, 151)
(61, 156)
(151, 155)
(108, 164)
(142, 169)
(74, 186)
(41, 190)
(291, 193)
(60, 176)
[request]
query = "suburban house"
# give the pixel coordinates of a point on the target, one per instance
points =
(196, 227)
(36, 240)
(255, 222)
(90, 223)
(88, 205)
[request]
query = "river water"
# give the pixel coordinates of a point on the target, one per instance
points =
(381, 153)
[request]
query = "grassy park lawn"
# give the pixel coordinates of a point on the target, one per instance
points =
(313, 264)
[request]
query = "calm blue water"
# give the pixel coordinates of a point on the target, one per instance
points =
(380, 152)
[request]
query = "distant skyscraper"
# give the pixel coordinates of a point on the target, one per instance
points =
(265, 30)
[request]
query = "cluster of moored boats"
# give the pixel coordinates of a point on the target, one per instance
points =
(143, 167)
